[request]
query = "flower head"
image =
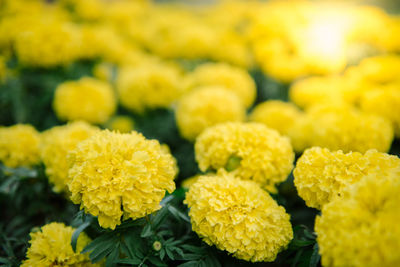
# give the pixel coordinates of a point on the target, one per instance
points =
(206, 107)
(239, 217)
(113, 175)
(51, 246)
(88, 99)
(123, 124)
(321, 175)
(232, 78)
(19, 146)
(248, 150)
(56, 143)
(362, 228)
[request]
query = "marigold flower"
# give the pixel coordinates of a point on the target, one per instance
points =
(19, 146)
(56, 143)
(148, 87)
(122, 124)
(239, 217)
(206, 107)
(51, 246)
(221, 74)
(88, 99)
(362, 228)
(277, 115)
(321, 175)
(113, 175)
(347, 129)
(248, 150)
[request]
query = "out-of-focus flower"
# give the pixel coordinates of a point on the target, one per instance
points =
(250, 151)
(232, 78)
(19, 146)
(277, 115)
(88, 99)
(361, 228)
(187, 183)
(320, 175)
(122, 124)
(114, 176)
(206, 107)
(149, 86)
(51, 246)
(239, 217)
(56, 143)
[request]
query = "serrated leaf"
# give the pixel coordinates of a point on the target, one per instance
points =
(170, 253)
(156, 261)
(98, 242)
(162, 254)
(102, 252)
(193, 256)
(189, 264)
(159, 217)
(130, 261)
(296, 258)
(147, 231)
(178, 214)
(112, 259)
(77, 232)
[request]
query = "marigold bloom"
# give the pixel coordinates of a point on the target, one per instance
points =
(232, 78)
(321, 175)
(362, 228)
(19, 146)
(206, 107)
(113, 175)
(347, 129)
(277, 115)
(239, 217)
(88, 99)
(148, 87)
(122, 124)
(51, 246)
(248, 150)
(56, 143)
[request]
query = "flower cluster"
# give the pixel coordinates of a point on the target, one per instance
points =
(56, 143)
(362, 228)
(51, 246)
(19, 146)
(115, 175)
(205, 107)
(248, 150)
(239, 217)
(321, 175)
(87, 99)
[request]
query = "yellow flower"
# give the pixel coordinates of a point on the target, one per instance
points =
(239, 217)
(122, 124)
(48, 44)
(88, 99)
(362, 228)
(56, 143)
(19, 146)
(320, 175)
(277, 115)
(148, 86)
(187, 183)
(248, 150)
(206, 107)
(347, 129)
(113, 175)
(220, 74)
(384, 102)
(51, 246)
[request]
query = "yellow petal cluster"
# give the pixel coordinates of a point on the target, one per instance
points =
(248, 150)
(148, 86)
(205, 107)
(51, 246)
(239, 217)
(87, 99)
(118, 176)
(19, 146)
(321, 175)
(362, 228)
(277, 115)
(56, 143)
(341, 127)
(121, 123)
(232, 78)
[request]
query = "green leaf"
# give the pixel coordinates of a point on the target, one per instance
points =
(315, 257)
(178, 214)
(297, 258)
(147, 231)
(130, 261)
(156, 261)
(77, 232)
(189, 264)
(158, 219)
(170, 253)
(112, 259)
